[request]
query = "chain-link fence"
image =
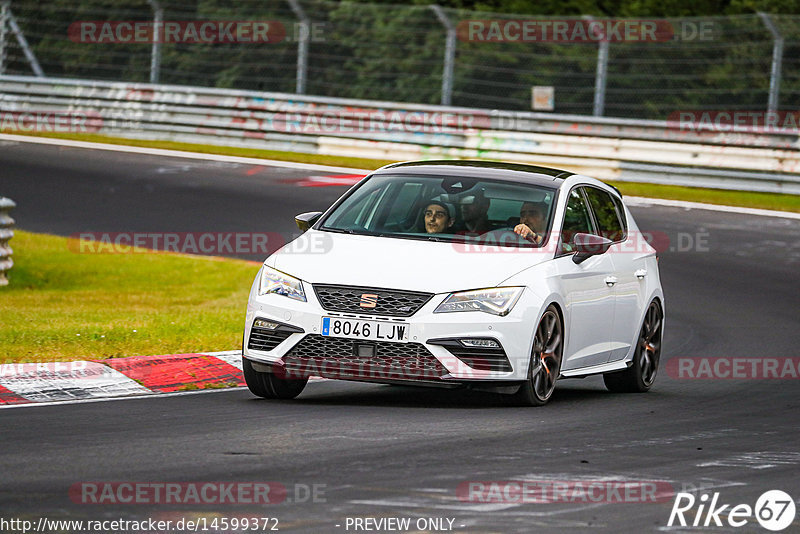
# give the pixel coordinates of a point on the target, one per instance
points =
(627, 68)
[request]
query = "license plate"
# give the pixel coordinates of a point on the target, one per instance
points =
(369, 330)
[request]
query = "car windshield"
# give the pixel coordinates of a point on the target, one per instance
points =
(446, 208)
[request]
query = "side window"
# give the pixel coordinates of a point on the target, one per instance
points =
(401, 209)
(359, 212)
(576, 220)
(605, 213)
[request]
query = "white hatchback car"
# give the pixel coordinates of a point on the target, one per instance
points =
(493, 276)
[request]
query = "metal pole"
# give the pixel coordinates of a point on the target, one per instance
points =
(4, 8)
(302, 45)
(601, 75)
(600, 79)
(23, 43)
(155, 53)
(777, 59)
(449, 54)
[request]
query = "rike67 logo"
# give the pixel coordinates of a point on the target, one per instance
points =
(774, 510)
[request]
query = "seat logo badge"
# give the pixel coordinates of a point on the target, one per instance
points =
(368, 300)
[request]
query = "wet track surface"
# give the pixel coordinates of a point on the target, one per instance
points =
(383, 451)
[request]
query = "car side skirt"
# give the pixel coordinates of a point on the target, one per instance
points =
(597, 369)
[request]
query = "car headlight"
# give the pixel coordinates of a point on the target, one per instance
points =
(497, 301)
(274, 281)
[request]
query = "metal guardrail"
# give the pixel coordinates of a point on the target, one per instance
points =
(6, 233)
(619, 149)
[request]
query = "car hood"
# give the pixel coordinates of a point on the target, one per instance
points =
(415, 265)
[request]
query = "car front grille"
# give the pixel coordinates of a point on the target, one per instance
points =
(387, 302)
(266, 339)
(333, 357)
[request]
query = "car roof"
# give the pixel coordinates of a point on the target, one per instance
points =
(513, 172)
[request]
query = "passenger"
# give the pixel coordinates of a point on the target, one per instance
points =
(532, 222)
(475, 213)
(438, 217)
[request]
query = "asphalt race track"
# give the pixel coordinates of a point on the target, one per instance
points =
(381, 451)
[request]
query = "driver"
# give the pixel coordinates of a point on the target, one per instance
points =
(438, 217)
(531, 221)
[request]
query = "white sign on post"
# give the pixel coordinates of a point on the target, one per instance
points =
(543, 97)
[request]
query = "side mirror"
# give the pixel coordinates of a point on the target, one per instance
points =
(304, 221)
(588, 245)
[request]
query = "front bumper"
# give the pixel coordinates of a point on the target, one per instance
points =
(430, 354)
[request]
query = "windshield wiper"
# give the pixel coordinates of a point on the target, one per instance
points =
(384, 234)
(351, 231)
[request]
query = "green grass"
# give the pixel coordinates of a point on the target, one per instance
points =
(773, 201)
(769, 201)
(61, 305)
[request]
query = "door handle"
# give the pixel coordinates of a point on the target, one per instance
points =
(640, 274)
(610, 281)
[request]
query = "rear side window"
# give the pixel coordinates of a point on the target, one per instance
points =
(606, 214)
(576, 220)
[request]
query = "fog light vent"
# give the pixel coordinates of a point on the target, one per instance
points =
(261, 323)
(481, 343)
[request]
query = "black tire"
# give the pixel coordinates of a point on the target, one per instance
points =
(270, 386)
(640, 376)
(545, 364)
